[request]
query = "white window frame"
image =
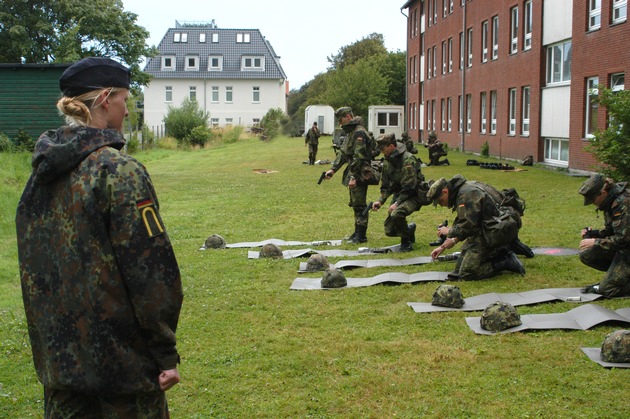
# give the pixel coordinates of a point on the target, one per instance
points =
(177, 37)
(444, 57)
(229, 94)
(214, 122)
(219, 64)
(484, 41)
(243, 38)
(528, 25)
(192, 93)
(429, 64)
(617, 82)
(184, 37)
(434, 61)
(192, 65)
(591, 107)
(619, 11)
(559, 58)
(493, 112)
(443, 111)
(594, 14)
(495, 37)
(512, 111)
(450, 55)
(215, 38)
(469, 45)
(460, 104)
(255, 94)
(168, 94)
(468, 113)
(202, 37)
(525, 110)
(514, 30)
(557, 151)
(449, 114)
(165, 60)
(433, 113)
(253, 63)
(462, 52)
(483, 117)
(214, 94)
(229, 122)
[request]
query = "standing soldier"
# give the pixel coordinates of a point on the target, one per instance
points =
(357, 151)
(402, 178)
(608, 250)
(312, 141)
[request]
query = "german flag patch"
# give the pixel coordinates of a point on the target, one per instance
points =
(150, 217)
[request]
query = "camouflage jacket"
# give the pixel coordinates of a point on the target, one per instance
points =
(100, 283)
(402, 175)
(312, 136)
(357, 149)
(616, 232)
(473, 202)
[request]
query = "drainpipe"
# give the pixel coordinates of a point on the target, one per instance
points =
(465, 44)
(406, 116)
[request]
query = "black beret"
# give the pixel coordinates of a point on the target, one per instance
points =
(93, 73)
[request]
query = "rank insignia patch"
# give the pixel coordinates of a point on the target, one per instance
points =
(150, 217)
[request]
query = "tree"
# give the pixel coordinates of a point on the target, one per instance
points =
(63, 31)
(271, 123)
(371, 46)
(612, 145)
(180, 122)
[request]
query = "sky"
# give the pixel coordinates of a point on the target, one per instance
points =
(302, 33)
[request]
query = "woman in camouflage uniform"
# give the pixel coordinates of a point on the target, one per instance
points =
(100, 282)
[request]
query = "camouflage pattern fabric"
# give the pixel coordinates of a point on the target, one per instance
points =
(270, 250)
(436, 150)
(611, 252)
(500, 316)
(448, 296)
(100, 283)
(215, 242)
(333, 278)
(616, 347)
(317, 263)
(312, 139)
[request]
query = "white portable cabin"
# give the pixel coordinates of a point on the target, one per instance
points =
(324, 115)
(383, 119)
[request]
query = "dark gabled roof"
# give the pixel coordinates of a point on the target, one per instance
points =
(227, 47)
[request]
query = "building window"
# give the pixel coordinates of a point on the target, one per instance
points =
(484, 41)
(483, 120)
(617, 82)
(184, 37)
(444, 8)
(214, 94)
(229, 94)
(168, 93)
(229, 122)
(215, 39)
(192, 63)
(429, 115)
(192, 92)
(429, 64)
(527, 26)
(449, 113)
(443, 113)
(168, 63)
(450, 55)
(435, 11)
(557, 151)
(470, 46)
(493, 112)
(256, 94)
(468, 113)
(559, 63)
(214, 122)
(433, 112)
(591, 106)
(243, 38)
(434, 61)
(619, 11)
(525, 110)
(252, 63)
(512, 112)
(177, 37)
(450, 7)
(460, 105)
(202, 38)
(495, 37)
(444, 57)
(256, 121)
(594, 14)
(215, 63)
(462, 53)
(513, 30)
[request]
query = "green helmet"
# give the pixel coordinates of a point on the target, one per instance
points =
(500, 316)
(334, 278)
(215, 242)
(616, 347)
(270, 250)
(448, 296)
(316, 263)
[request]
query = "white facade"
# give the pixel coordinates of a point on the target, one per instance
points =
(386, 119)
(324, 115)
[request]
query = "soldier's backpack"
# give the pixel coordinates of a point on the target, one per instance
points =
(371, 172)
(502, 228)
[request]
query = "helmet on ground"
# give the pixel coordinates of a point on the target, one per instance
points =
(448, 296)
(500, 316)
(215, 242)
(616, 347)
(316, 263)
(270, 250)
(334, 278)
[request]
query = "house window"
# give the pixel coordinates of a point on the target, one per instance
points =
(617, 82)
(525, 110)
(168, 63)
(495, 37)
(512, 112)
(559, 63)
(449, 106)
(460, 106)
(256, 121)
(434, 61)
(435, 11)
(184, 37)
(493, 112)
(527, 26)
(468, 113)
(387, 119)
(214, 122)
(443, 114)
(256, 94)
(214, 94)
(168, 93)
(229, 122)
(444, 8)
(202, 38)
(243, 38)
(594, 14)
(462, 53)
(192, 63)
(450, 7)
(470, 47)
(591, 106)
(215, 38)
(444, 56)
(192, 92)
(557, 151)
(513, 30)
(429, 66)
(483, 118)
(215, 63)
(433, 112)
(619, 11)
(484, 41)
(252, 63)
(177, 37)
(450, 55)
(229, 94)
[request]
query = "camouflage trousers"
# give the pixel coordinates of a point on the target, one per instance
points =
(616, 264)
(475, 261)
(396, 222)
(72, 404)
(312, 153)
(358, 202)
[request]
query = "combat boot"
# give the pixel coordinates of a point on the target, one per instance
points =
(406, 244)
(509, 262)
(521, 248)
(411, 227)
(359, 235)
(445, 162)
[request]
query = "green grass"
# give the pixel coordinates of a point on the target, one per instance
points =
(253, 348)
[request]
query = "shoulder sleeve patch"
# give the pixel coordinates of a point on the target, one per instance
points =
(150, 218)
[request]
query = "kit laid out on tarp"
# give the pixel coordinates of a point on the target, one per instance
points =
(386, 278)
(595, 355)
(373, 263)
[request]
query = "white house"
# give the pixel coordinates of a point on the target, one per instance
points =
(234, 75)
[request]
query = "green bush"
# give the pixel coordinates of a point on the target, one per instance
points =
(271, 123)
(6, 146)
(24, 142)
(179, 122)
(133, 145)
(232, 135)
(485, 150)
(199, 136)
(148, 138)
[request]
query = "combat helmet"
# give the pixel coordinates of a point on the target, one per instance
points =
(316, 263)
(214, 242)
(334, 278)
(270, 250)
(448, 296)
(616, 347)
(500, 316)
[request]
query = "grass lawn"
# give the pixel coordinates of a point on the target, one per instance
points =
(251, 347)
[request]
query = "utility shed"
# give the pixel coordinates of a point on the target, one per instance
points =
(385, 119)
(324, 115)
(28, 98)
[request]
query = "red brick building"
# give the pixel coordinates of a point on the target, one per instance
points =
(514, 74)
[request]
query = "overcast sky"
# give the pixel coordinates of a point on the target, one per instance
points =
(302, 33)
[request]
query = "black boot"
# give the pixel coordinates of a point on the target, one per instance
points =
(521, 248)
(445, 162)
(412, 232)
(509, 262)
(359, 236)
(406, 244)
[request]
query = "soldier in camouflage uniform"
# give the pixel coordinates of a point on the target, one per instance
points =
(474, 202)
(312, 141)
(436, 150)
(100, 283)
(608, 250)
(357, 151)
(402, 177)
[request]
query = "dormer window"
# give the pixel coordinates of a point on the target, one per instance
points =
(253, 63)
(177, 37)
(168, 63)
(184, 37)
(202, 38)
(242, 38)
(192, 63)
(215, 38)
(215, 63)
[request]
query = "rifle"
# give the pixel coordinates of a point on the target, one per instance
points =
(590, 233)
(442, 238)
(447, 258)
(367, 209)
(321, 178)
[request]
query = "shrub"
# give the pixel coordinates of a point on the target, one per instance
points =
(232, 135)
(180, 121)
(133, 145)
(199, 136)
(148, 138)
(24, 142)
(271, 123)
(485, 150)
(167, 143)
(6, 146)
